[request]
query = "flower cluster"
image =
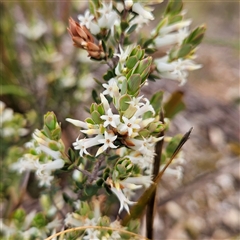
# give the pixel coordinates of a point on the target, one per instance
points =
(45, 152)
(173, 31)
(128, 126)
(12, 124)
(117, 148)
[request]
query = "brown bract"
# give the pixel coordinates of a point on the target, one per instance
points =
(82, 38)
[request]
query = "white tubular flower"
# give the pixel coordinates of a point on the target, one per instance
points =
(124, 53)
(128, 4)
(129, 125)
(107, 142)
(27, 162)
(175, 26)
(108, 21)
(143, 12)
(77, 123)
(94, 28)
(44, 142)
(110, 119)
(49, 166)
(178, 172)
(136, 102)
(45, 179)
(172, 38)
(145, 181)
(93, 234)
(140, 21)
(145, 108)
(111, 88)
(106, 8)
(85, 143)
(122, 199)
(71, 221)
(176, 70)
(6, 114)
(32, 32)
(56, 223)
(85, 19)
(105, 103)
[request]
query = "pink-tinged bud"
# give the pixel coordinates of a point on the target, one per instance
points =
(82, 38)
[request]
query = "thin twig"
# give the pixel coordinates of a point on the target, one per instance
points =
(156, 166)
(85, 172)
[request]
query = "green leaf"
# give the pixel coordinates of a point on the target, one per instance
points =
(147, 43)
(96, 117)
(174, 7)
(13, 90)
(174, 105)
(134, 83)
(89, 120)
(196, 36)
(113, 158)
(95, 96)
(132, 28)
(184, 50)
(71, 154)
(131, 62)
(123, 102)
(124, 26)
(150, 50)
(100, 182)
(91, 190)
(39, 221)
(156, 101)
(124, 86)
(108, 75)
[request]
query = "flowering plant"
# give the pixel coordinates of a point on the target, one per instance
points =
(118, 153)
